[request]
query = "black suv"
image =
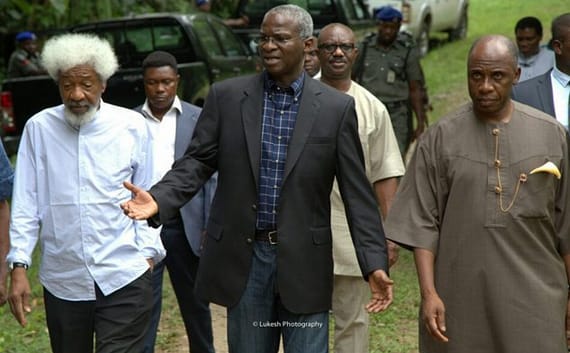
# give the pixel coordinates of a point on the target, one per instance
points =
(205, 48)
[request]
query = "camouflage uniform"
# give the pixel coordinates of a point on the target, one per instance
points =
(22, 63)
(386, 74)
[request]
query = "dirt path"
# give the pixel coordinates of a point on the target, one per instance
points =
(179, 343)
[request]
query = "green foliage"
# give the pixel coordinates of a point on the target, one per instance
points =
(445, 67)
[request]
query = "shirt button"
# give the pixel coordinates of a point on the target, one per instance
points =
(274, 212)
(249, 240)
(282, 112)
(254, 207)
(275, 186)
(495, 132)
(497, 189)
(497, 163)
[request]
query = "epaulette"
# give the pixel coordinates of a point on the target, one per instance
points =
(406, 38)
(370, 37)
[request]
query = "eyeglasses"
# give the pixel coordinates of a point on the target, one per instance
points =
(277, 40)
(331, 48)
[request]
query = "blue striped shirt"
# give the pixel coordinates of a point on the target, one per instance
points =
(280, 107)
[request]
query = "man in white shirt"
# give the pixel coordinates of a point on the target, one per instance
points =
(550, 92)
(171, 124)
(534, 59)
(383, 165)
(95, 264)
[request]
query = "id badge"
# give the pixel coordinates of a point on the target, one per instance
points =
(391, 78)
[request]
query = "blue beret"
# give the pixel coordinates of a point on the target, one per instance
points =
(23, 36)
(387, 13)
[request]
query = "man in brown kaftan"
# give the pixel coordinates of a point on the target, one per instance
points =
(491, 236)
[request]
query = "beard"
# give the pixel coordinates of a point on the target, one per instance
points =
(78, 120)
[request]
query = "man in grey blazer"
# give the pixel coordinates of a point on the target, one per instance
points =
(277, 140)
(171, 123)
(550, 92)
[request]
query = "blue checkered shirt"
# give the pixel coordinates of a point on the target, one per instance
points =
(280, 107)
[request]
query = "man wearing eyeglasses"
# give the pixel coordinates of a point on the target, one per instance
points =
(392, 72)
(383, 164)
(277, 140)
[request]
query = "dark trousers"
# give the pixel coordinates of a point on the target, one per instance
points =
(119, 320)
(182, 267)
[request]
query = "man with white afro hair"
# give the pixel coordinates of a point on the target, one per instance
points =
(72, 161)
(63, 52)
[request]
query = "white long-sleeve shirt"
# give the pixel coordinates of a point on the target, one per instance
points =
(67, 192)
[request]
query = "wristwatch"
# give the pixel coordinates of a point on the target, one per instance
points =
(14, 265)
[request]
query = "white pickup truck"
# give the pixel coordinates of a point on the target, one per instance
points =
(424, 16)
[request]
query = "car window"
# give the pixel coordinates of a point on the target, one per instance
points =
(207, 37)
(134, 42)
(353, 10)
(232, 46)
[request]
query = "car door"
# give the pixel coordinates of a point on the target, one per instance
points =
(444, 14)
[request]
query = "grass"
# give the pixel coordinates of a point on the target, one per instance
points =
(396, 330)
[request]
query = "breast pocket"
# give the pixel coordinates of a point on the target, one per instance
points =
(398, 66)
(537, 192)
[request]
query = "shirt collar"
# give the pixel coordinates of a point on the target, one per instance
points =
(561, 77)
(176, 105)
(526, 61)
(296, 86)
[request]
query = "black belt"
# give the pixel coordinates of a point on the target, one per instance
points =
(396, 104)
(268, 235)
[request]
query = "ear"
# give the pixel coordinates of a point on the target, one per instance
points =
(517, 75)
(557, 47)
(309, 42)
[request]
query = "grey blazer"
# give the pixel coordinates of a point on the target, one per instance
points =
(324, 144)
(194, 213)
(536, 92)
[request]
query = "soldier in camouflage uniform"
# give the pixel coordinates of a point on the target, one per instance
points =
(391, 71)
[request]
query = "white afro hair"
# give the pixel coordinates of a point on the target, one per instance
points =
(66, 51)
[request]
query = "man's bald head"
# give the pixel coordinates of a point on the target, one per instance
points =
(337, 53)
(493, 45)
(492, 70)
(326, 30)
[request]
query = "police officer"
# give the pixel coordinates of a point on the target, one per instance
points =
(391, 71)
(25, 60)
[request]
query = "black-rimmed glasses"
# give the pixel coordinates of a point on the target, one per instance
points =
(331, 48)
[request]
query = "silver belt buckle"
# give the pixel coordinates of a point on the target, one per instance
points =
(270, 237)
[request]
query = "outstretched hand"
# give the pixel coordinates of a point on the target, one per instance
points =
(381, 288)
(141, 206)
